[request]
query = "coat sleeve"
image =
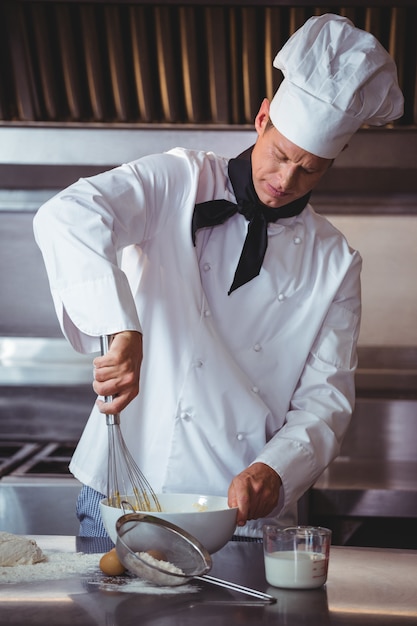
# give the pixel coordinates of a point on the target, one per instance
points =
(82, 232)
(323, 400)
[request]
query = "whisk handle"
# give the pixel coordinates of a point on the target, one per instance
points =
(105, 341)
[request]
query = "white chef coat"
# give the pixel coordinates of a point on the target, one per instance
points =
(265, 374)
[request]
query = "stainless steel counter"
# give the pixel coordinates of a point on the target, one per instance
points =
(365, 586)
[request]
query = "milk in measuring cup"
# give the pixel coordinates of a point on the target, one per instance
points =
(296, 569)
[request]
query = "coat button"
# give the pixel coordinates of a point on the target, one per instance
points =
(257, 347)
(255, 389)
(207, 313)
(281, 297)
(206, 267)
(240, 436)
(198, 363)
(185, 416)
(297, 240)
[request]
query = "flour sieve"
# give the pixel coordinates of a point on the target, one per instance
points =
(182, 556)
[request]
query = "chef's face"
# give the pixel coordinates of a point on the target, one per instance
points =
(281, 171)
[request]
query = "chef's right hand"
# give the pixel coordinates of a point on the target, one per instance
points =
(255, 492)
(117, 372)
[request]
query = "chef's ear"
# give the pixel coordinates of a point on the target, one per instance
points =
(262, 118)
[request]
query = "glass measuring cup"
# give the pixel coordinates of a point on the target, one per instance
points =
(296, 557)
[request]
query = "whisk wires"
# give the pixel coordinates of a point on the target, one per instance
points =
(125, 480)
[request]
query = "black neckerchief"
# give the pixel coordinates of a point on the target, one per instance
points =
(215, 212)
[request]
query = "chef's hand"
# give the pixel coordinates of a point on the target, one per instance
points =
(255, 491)
(117, 372)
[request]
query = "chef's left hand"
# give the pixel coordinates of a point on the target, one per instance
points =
(255, 492)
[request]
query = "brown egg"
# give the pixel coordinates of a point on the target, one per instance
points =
(110, 564)
(157, 554)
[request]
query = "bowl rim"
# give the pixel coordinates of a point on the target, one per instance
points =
(194, 495)
(150, 519)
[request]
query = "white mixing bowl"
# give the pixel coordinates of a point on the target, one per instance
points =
(207, 518)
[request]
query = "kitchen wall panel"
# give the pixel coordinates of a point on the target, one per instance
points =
(388, 245)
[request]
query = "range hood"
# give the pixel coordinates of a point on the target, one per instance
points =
(87, 85)
(165, 62)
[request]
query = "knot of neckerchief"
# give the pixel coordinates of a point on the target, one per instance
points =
(215, 212)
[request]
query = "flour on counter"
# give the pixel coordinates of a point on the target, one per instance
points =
(126, 584)
(58, 565)
(141, 586)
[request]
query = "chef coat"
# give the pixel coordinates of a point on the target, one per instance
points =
(265, 374)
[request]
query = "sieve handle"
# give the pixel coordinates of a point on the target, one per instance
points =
(240, 588)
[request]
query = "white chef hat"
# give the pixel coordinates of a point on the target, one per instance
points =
(336, 78)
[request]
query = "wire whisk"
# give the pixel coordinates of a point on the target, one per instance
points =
(125, 480)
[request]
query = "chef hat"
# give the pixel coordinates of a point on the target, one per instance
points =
(336, 78)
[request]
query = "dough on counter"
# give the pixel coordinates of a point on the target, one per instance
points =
(18, 550)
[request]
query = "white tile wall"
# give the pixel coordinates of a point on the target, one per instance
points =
(388, 245)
